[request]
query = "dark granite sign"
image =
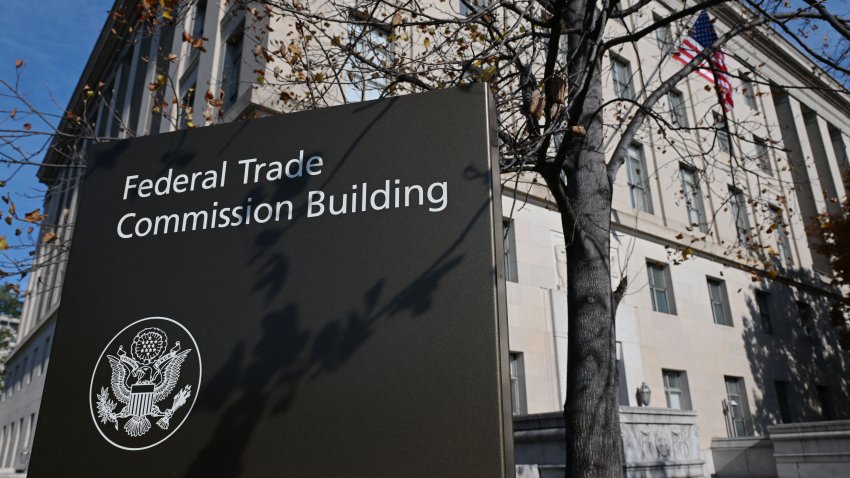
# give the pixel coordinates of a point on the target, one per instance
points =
(313, 294)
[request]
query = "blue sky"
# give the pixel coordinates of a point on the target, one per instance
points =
(54, 39)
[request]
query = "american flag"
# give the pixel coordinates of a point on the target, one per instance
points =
(702, 36)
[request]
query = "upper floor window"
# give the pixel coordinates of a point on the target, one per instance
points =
(663, 36)
(678, 115)
(719, 302)
(372, 50)
(661, 288)
(509, 250)
(807, 321)
(783, 249)
(621, 73)
(761, 155)
(722, 131)
(638, 179)
(232, 68)
(738, 206)
(693, 198)
(198, 19)
(748, 89)
(763, 304)
(187, 101)
(783, 396)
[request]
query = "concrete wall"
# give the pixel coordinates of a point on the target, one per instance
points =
(812, 450)
(748, 457)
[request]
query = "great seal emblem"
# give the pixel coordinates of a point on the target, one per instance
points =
(145, 383)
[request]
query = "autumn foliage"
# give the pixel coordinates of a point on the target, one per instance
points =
(834, 230)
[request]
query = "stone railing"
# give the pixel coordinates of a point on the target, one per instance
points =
(657, 442)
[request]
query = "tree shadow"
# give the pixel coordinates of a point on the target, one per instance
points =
(264, 377)
(799, 369)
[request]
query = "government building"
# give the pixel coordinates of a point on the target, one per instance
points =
(724, 341)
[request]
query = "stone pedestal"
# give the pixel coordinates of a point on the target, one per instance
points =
(660, 442)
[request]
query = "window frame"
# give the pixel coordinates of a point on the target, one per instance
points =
(234, 48)
(663, 35)
(663, 271)
(748, 90)
(681, 390)
(619, 83)
(762, 300)
(678, 111)
(787, 413)
(742, 406)
(718, 297)
(640, 183)
(693, 196)
(519, 399)
(509, 250)
(783, 246)
(740, 215)
(372, 36)
(762, 155)
(724, 140)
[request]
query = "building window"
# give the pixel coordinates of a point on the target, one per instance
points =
(638, 179)
(763, 304)
(783, 396)
(621, 73)
(372, 49)
(748, 89)
(198, 19)
(518, 404)
(722, 132)
(807, 322)
(738, 204)
(783, 249)
(232, 67)
(736, 409)
(676, 389)
(187, 102)
(663, 36)
(661, 288)
(719, 302)
(693, 198)
(678, 114)
(827, 410)
(509, 245)
(762, 156)
(36, 362)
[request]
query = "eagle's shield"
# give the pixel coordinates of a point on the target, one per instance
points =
(141, 400)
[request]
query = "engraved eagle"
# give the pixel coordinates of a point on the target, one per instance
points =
(142, 379)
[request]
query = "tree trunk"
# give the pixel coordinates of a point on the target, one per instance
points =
(591, 410)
